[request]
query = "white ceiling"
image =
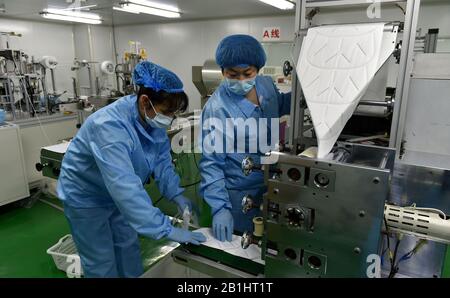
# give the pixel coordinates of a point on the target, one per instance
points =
(190, 9)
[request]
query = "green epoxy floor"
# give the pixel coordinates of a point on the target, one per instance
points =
(26, 234)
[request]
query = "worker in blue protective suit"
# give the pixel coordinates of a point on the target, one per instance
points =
(105, 168)
(242, 94)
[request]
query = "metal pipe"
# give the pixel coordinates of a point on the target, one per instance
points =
(403, 80)
(11, 99)
(23, 86)
(375, 103)
(91, 55)
(117, 81)
(44, 89)
(97, 86)
(52, 75)
(115, 50)
(384, 161)
(297, 112)
(74, 85)
(91, 84)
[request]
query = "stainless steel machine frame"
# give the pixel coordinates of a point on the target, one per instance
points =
(206, 79)
(323, 218)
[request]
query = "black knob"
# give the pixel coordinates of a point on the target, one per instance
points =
(78, 125)
(39, 167)
(295, 216)
(287, 68)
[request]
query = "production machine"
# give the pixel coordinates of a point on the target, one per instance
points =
(99, 92)
(125, 69)
(346, 204)
(23, 86)
(206, 78)
(32, 118)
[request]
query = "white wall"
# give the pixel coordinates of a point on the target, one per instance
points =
(40, 39)
(179, 46)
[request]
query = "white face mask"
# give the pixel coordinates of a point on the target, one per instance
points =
(159, 121)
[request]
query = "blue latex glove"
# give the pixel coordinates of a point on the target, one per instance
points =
(183, 202)
(223, 225)
(185, 236)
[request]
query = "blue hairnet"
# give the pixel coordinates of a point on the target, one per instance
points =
(240, 50)
(151, 75)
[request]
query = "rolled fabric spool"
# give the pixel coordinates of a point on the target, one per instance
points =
(49, 62)
(259, 226)
(107, 67)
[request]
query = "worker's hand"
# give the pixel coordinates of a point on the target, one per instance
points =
(223, 225)
(183, 202)
(185, 236)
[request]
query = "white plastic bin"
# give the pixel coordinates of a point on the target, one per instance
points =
(65, 256)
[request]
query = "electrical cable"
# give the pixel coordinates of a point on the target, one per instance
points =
(413, 251)
(388, 242)
(394, 269)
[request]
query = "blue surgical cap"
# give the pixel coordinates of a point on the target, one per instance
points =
(153, 76)
(240, 50)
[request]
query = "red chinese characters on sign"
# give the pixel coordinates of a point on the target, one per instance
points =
(271, 33)
(275, 33)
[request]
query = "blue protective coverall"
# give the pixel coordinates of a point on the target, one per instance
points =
(101, 186)
(223, 182)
